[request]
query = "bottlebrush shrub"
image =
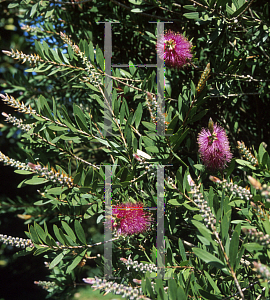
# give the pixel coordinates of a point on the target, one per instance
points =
(119, 206)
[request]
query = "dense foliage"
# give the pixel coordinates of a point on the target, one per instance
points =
(182, 219)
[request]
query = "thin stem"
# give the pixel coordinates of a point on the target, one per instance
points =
(78, 247)
(229, 265)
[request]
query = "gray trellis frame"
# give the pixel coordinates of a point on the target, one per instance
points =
(108, 80)
(108, 132)
(160, 222)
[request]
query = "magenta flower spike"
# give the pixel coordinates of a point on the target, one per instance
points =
(214, 147)
(176, 49)
(131, 218)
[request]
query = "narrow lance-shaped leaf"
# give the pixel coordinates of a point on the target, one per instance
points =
(172, 289)
(76, 261)
(209, 258)
(79, 231)
(40, 232)
(56, 260)
(80, 118)
(57, 234)
(69, 231)
(34, 235)
(234, 244)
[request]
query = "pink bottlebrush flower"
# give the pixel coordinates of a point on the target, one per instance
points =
(214, 147)
(176, 48)
(131, 218)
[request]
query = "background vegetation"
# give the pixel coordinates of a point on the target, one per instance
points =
(67, 135)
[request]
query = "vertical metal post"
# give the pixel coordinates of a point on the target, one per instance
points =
(160, 222)
(108, 224)
(108, 81)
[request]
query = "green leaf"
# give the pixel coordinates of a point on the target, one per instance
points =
(203, 230)
(191, 15)
(33, 9)
(206, 295)
(209, 258)
(266, 225)
(50, 241)
(199, 167)
(91, 52)
(124, 73)
(76, 261)
(193, 88)
(56, 260)
(213, 284)
(122, 113)
(181, 293)
(80, 118)
(198, 116)
(182, 250)
(159, 288)
(253, 247)
(49, 13)
(66, 118)
(172, 291)
(89, 177)
(173, 123)
(70, 137)
(132, 68)
(236, 202)
(41, 233)
(239, 257)
(230, 168)
(70, 52)
(56, 191)
(55, 56)
(23, 172)
(174, 202)
(57, 128)
(69, 231)
(24, 252)
(12, 5)
(149, 287)
(57, 234)
(190, 7)
(178, 158)
(234, 244)
(40, 68)
(100, 59)
(136, 10)
(261, 153)
(41, 250)
(34, 235)
(152, 149)
(79, 231)
(136, 2)
(178, 138)
(36, 180)
(149, 126)
(95, 89)
(44, 106)
(239, 10)
(225, 224)
(41, 202)
(138, 115)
